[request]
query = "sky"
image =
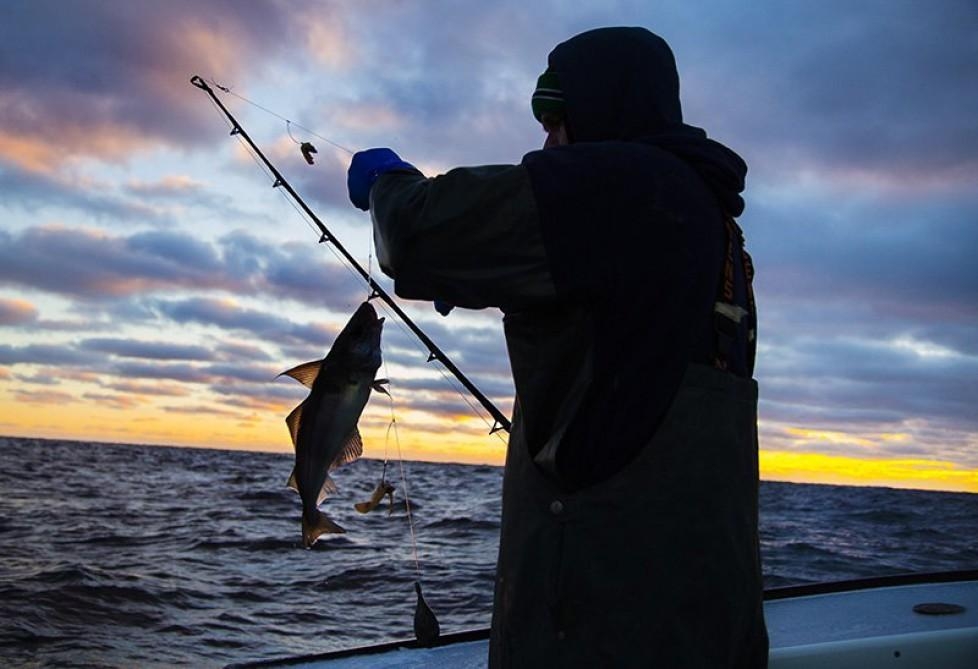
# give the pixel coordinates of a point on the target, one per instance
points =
(153, 284)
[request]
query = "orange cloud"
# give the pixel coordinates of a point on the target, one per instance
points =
(169, 185)
(133, 96)
(113, 401)
(367, 116)
(30, 154)
(328, 41)
(43, 397)
(45, 154)
(131, 387)
(16, 311)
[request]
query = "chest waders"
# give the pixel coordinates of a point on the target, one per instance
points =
(657, 566)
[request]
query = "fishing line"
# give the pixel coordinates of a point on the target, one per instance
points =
(407, 496)
(288, 129)
(228, 90)
(426, 626)
(387, 375)
(449, 380)
(261, 166)
(309, 223)
(427, 349)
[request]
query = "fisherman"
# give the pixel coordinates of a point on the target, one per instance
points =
(629, 527)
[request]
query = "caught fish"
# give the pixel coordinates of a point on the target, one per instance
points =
(324, 426)
(383, 488)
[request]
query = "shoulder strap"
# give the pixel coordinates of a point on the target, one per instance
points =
(728, 316)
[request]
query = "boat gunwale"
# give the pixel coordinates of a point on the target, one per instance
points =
(770, 594)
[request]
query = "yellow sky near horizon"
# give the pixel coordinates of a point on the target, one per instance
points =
(460, 439)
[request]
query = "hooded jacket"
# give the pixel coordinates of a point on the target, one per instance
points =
(631, 460)
(632, 217)
(621, 232)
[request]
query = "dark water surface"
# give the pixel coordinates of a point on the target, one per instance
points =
(122, 556)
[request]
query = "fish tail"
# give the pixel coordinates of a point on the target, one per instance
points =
(364, 507)
(321, 525)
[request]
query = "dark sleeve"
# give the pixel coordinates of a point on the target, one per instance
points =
(470, 237)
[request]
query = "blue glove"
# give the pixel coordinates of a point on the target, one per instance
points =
(366, 168)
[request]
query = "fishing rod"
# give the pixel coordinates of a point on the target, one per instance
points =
(434, 352)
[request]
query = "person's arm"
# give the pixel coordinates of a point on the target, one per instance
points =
(470, 237)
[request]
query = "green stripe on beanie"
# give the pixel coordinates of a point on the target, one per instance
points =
(548, 97)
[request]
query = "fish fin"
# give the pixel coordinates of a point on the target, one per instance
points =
(293, 420)
(329, 488)
(305, 373)
(379, 384)
(352, 450)
(323, 525)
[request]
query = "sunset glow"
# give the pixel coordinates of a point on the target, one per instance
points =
(153, 284)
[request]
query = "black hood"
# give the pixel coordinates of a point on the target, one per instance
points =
(621, 84)
(618, 83)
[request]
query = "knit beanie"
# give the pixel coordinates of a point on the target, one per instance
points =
(548, 96)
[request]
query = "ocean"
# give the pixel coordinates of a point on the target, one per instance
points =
(145, 556)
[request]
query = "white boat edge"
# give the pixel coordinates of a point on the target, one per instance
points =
(859, 624)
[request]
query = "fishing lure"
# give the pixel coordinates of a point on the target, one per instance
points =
(307, 150)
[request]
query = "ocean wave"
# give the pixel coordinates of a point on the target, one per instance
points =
(189, 557)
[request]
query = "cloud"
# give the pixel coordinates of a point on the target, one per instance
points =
(45, 354)
(172, 186)
(38, 379)
(326, 183)
(182, 372)
(243, 372)
(240, 351)
(44, 397)
(113, 401)
(858, 123)
(453, 94)
(836, 380)
(878, 90)
(328, 38)
(34, 191)
(90, 264)
(301, 272)
(229, 315)
(17, 312)
(131, 348)
(94, 265)
(133, 388)
(117, 80)
(201, 411)
(885, 267)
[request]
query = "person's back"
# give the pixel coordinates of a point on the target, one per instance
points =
(629, 531)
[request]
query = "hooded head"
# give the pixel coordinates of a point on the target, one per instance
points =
(621, 84)
(616, 84)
